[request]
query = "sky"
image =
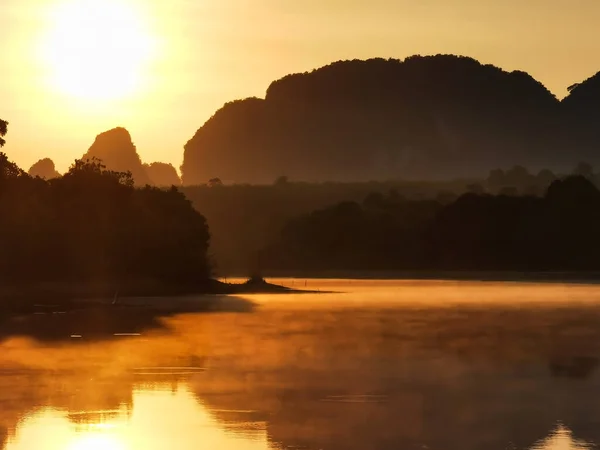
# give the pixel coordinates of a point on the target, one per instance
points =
(71, 69)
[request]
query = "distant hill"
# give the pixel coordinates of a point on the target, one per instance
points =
(117, 151)
(45, 169)
(424, 117)
(584, 97)
(162, 174)
(582, 107)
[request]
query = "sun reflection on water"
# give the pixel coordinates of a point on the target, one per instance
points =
(562, 439)
(163, 417)
(160, 418)
(372, 369)
(98, 441)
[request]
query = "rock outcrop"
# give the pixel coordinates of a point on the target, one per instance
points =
(162, 174)
(45, 169)
(116, 150)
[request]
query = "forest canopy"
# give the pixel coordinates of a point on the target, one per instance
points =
(92, 227)
(3, 130)
(556, 232)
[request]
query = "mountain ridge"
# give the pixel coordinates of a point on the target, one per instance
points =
(387, 118)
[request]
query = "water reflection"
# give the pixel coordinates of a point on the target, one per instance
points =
(159, 418)
(164, 417)
(333, 372)
(562, 439)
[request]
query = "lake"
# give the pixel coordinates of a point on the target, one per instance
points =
(372, 365)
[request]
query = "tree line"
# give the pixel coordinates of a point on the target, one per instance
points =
(555, 232)
(244, 219)
(92, 227)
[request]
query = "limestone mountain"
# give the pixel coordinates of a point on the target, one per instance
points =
(584, 97)
(424, 117)
(162, 174)
(582, 108)
(117, 151)
(44, 168)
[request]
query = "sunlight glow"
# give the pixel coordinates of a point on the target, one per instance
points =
(561, 439)
(97, 441)
(97, 50)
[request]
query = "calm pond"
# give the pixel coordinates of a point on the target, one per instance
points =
(376, 365)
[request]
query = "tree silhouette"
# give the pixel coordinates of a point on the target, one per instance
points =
(584, 169)
(281, 180)
(545, 177)
(8, 169)
(572, 191)
(507, 232)
(496, 179)
(3, 131)
(91, 229)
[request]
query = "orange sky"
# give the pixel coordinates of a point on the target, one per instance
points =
(165, 66)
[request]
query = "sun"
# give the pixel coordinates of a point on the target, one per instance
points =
(97, 49)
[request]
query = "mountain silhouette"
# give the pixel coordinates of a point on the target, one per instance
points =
(45, 169)
(116, 150)
(582, 107)
(584, 97)
(424, 117)
(162, 174)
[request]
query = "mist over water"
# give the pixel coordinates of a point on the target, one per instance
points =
(374, 364)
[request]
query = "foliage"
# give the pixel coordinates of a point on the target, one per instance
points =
(8, 169)
(92, 226)
(476, 232)
(245, 218)
(518, 179)
(215, 182)
(3, 131)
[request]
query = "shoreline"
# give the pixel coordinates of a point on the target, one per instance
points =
(66, 297)
(69, 297)
(268, 284)
(484, 276)
(97, 317)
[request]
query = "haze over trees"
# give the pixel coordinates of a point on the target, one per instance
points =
(245, 218)
(425, 117)
(556, 232)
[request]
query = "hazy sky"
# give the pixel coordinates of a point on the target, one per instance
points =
(71, 69)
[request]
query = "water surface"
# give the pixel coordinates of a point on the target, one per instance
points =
(376, 365)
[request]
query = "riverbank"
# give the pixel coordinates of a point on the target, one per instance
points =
(62, 297)
(80, 313)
